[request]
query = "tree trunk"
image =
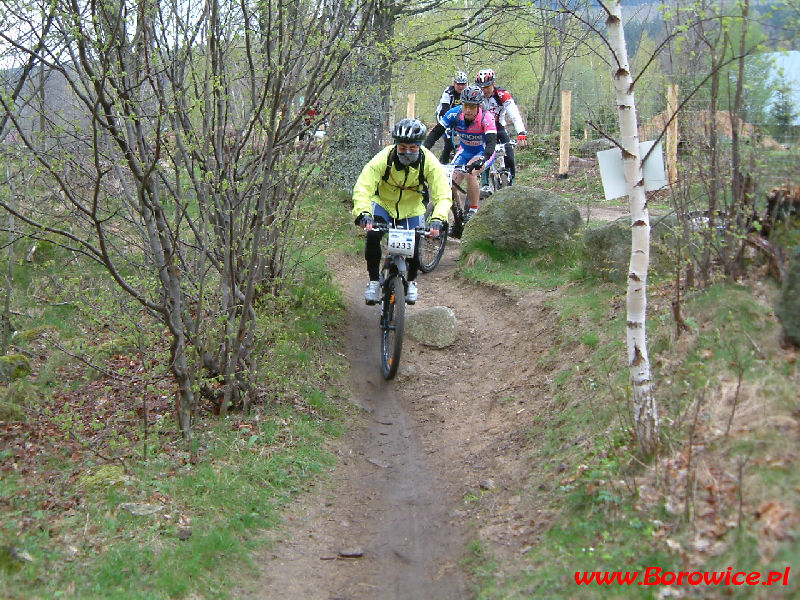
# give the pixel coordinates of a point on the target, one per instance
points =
(385, 18)
(646, 420)
(734, 251)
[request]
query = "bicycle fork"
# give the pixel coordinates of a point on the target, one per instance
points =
(394, 265)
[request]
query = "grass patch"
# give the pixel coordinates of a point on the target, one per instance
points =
(522, 270)
(144, 516)
(725, 384)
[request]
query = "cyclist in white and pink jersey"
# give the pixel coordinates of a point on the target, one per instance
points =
(502, 105)
(478, 135)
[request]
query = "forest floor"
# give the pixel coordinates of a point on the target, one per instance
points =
(395, 520)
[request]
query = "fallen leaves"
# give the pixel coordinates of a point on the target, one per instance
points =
(776, 520)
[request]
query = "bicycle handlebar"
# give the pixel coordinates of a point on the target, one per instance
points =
(462, 168)
(385, 227)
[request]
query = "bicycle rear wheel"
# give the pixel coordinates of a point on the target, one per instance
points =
(393, 319)
(431, 248)
(456, 216)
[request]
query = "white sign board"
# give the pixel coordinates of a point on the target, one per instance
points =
(612, 171)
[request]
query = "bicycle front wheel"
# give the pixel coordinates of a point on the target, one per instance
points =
(393, 319)
(494, 181)
(431, 248)
(505, 178)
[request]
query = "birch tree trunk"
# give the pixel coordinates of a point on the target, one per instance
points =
(645, 410)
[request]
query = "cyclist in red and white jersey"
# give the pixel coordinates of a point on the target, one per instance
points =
(501, 104)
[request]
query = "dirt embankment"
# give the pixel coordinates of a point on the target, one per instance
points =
(394, 522)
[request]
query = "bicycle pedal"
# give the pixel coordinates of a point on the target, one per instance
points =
(370, 302)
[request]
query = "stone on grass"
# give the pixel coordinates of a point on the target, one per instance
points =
(141, 509)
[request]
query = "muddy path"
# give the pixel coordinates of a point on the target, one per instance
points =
(394, 521)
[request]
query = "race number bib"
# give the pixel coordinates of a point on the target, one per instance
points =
(401, 241)
(448, 171)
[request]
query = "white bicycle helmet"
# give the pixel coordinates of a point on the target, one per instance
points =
(485, 78)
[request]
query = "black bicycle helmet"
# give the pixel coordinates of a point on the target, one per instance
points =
(485, 77)
(472, 95)
(409, 131)
(460, 77)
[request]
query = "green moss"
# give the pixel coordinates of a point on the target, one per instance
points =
(31, 334)
(14, 366)
(102, 477)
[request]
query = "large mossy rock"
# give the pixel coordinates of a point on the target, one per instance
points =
(14, 366)
(14, 398)
(590, 148)
(607, 247)
(788, 304)
(29, 335)
(523, 218)
(102, 477)
(435, 326)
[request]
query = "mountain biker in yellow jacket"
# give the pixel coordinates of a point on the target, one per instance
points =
(391, 189)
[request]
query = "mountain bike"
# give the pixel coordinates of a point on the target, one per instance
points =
(432, 248)
(400, 245)
(498, 173)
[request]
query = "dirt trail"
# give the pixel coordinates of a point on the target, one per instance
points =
(452, 425)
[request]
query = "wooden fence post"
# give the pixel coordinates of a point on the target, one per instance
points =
(672, 134)
(563, 161)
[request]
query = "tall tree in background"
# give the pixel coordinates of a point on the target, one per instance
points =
(783, 113)
(178, 172)
(561, 40)
(408, 31)
(405, 34)
(646, 420)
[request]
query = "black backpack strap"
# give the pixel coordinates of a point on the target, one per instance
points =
(389, 159)
(422, 181)
(423, 184)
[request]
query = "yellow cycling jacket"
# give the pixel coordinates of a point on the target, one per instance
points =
(400, 194)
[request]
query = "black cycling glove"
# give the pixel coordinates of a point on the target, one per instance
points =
(476, 164)
(436, 224)
(364, 219)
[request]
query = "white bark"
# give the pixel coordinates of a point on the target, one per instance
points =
(645, 409)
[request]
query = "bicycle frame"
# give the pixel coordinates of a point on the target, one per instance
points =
(498, 174)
